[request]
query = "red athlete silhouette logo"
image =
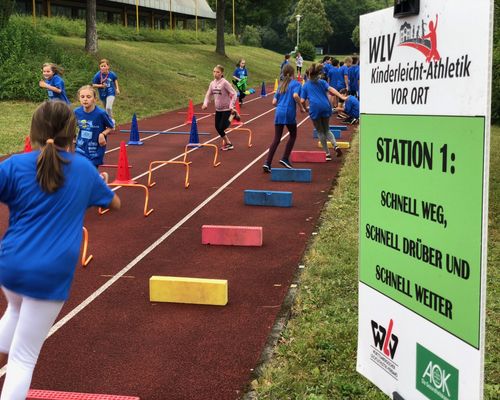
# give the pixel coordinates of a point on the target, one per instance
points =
(433, 53)
(426, 44)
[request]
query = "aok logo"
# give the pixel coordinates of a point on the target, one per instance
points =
(384, 339)
(435, 378)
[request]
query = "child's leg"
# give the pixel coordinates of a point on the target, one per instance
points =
(278, 132)
(331, 138)
(318, 124)
(292, 128)
(109, 105)
(221, 124)
(36, 317)
(8, 323)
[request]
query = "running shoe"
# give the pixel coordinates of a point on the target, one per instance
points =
(286, 163)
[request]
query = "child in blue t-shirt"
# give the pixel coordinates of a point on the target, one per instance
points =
(315, 90)
(94, 124)
(106, 82)
(47, 191)
(285, 99)
(53, 83)
(335, 79)
(353, 77)
(350, 108)
(285, 62)
(240, 76)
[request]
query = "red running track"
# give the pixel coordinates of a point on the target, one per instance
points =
(110, 339)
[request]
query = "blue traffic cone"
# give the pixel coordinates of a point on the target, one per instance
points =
(263, 90)
(134, 133)
(193, 133)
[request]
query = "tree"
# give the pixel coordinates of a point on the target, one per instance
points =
(314, 26)
(6, 7)
(91, 28)
(220, 15)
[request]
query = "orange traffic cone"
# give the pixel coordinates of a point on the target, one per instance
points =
(236, 121)
(27, 144)
(123, 174)
(190, 112)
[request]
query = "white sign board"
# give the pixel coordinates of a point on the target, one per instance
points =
(424, 151)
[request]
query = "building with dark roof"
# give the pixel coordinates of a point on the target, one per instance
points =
(152, 13)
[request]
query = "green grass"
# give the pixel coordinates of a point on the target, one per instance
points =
(316, 355)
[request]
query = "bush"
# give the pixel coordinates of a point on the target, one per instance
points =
(62, 26)
(23, 50)
(307, 50)
(251, 36)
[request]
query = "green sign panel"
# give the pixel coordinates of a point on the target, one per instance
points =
(420, 218)
(435, 378)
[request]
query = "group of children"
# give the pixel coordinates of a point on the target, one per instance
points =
(49, 189)
(94, 123)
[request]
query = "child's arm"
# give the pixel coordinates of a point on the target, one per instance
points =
(298, 100)
(334, 92)
(117, 87)
(207, 97)
(46, 86)
(115, 203)
(102, 136)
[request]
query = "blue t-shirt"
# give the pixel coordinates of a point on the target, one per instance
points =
(240, 72)
(58, 82)
(90, 125)
(286, 108)
(336, 78)
(41, 246)
(108, 80)
(316, 93)
(353, 75)
(326, 68)
(343, 70)
(351, 107)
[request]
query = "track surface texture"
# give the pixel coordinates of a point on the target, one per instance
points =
(111, 339)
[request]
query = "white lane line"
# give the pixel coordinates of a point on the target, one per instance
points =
(75, 311)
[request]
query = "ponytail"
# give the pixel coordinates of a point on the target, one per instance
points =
(49, 173)
(287, 78)
(53, 128)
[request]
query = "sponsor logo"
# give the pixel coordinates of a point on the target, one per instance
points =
(435, 378)
(385, 344)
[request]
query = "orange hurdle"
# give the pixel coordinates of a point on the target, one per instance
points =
(85, 259)
(249, 134)
(123, 179)
(215, 163)
(150, 172)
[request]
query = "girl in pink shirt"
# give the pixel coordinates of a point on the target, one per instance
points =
(224, 98)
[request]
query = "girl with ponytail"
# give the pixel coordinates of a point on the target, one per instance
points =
(47, 191)
(285, 99)
(316, 90)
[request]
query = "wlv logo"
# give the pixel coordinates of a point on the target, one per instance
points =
(426, 43)
(384, 339)
(435, 378)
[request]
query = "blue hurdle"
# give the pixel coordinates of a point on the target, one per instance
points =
(267, 198)
(291, 175)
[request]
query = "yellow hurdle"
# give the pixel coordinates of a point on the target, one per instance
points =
(342, 145)
(173, 289)
(275, 85)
